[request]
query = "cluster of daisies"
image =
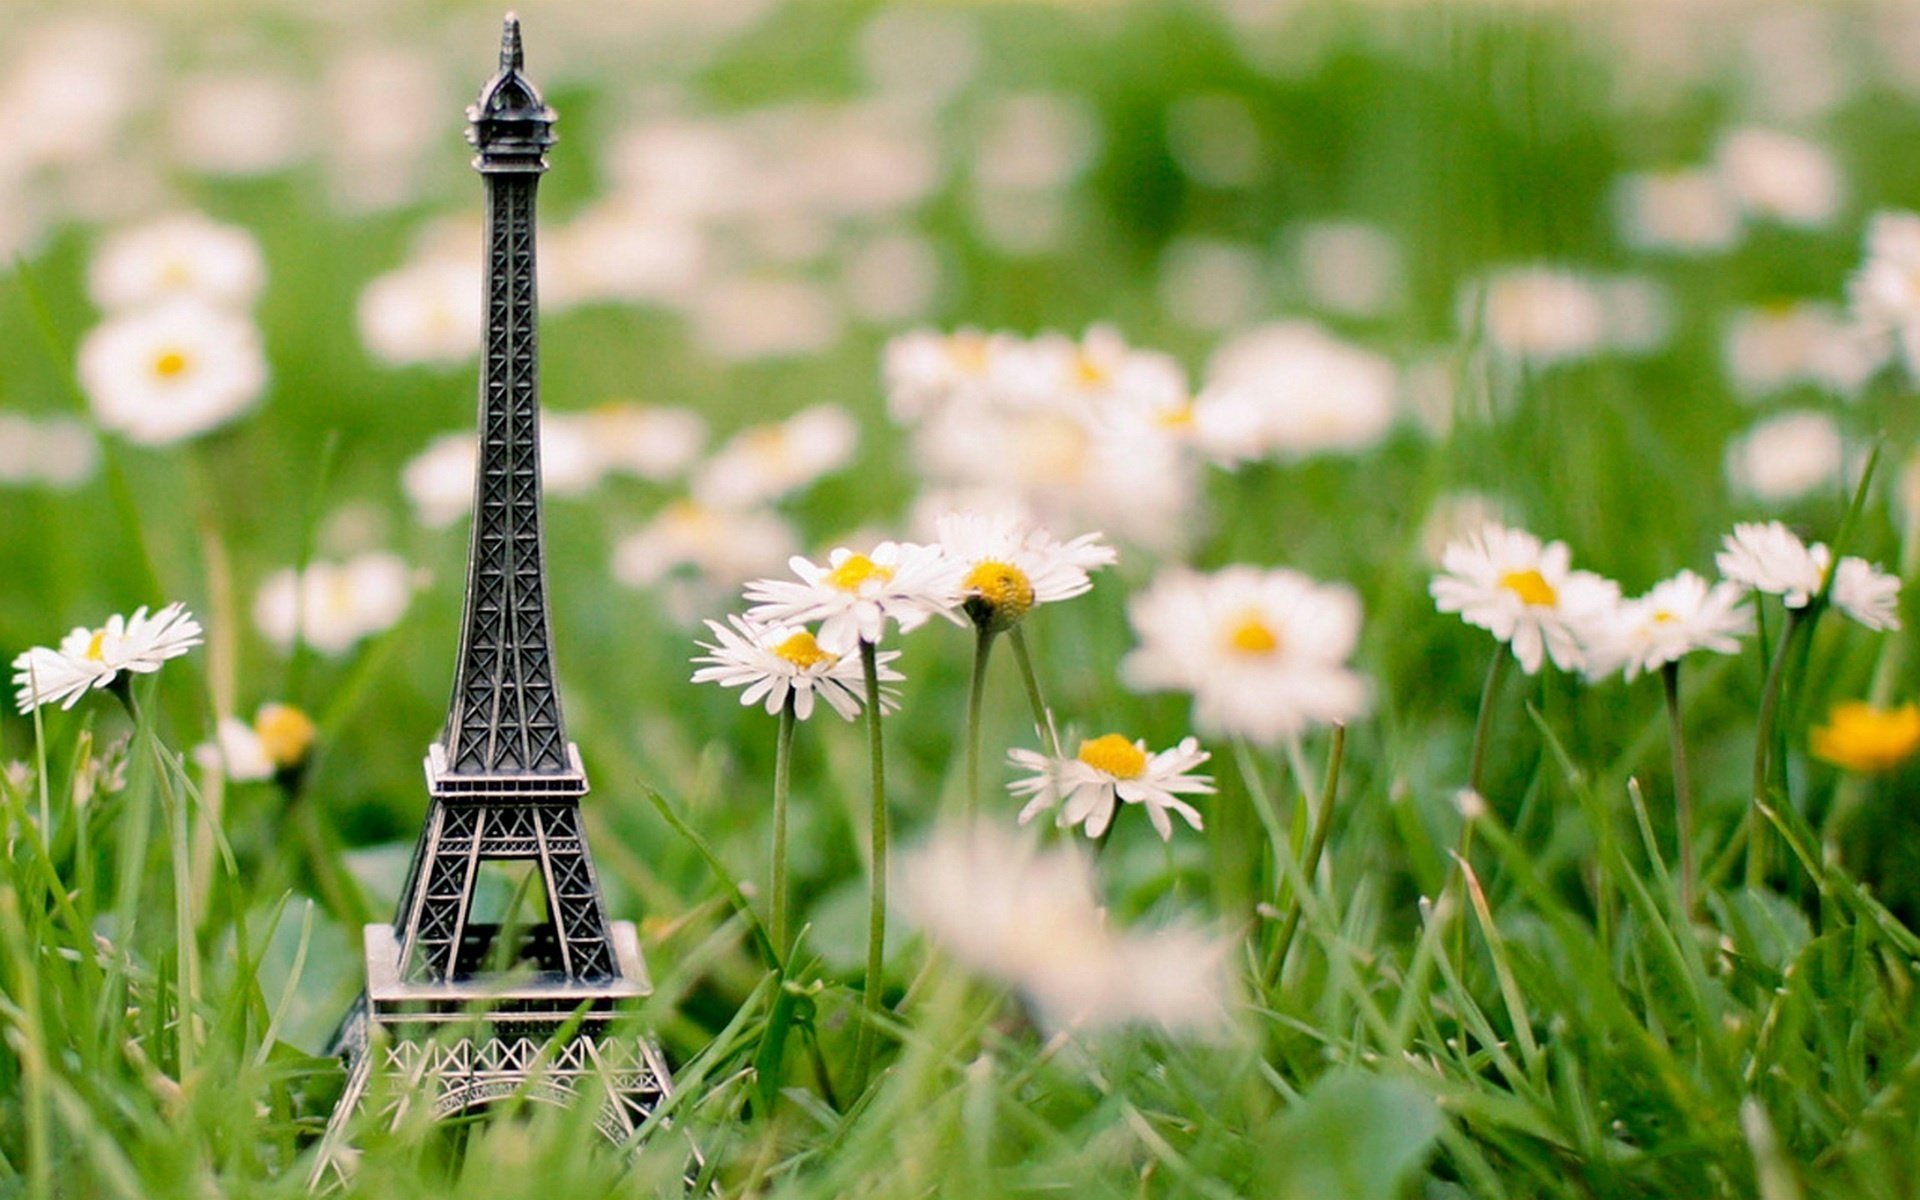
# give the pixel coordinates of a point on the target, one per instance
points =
(1096, 432)
(1527, 594)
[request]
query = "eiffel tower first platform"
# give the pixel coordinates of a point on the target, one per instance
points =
(464, 1012)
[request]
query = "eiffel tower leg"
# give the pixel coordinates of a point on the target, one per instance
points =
(573, 893)
(333, 1160)
(443, 892)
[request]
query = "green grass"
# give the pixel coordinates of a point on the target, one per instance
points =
(1551, 1024)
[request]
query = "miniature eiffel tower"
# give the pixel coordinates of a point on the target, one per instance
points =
(504, 781)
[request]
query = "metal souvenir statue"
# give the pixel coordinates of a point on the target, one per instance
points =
(466, 1009)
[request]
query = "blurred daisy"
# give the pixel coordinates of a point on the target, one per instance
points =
(1029, 918)
(1868, 740)
(1013, 564)
(1866, 593)
(439, 479)
(1787, 456)
(725, 547)
(1293, 390)
(186, 256)
(1679, 616)
(770, 461)
(431, 311)
(1770, 558)
(1263, 652)
(87, 659)
(171, 372)
(1525, 594)
(279, 738)
(1779, 177)
(1885, 291)
(1799, 343)
(331, 605)
(654, 442)
(1109, 770)
(777, 662)
(1349, 267)
(854, 595)
(924, 370)
(239, 122)
(59, 452)
(1683, 211)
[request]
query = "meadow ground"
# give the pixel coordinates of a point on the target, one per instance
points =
(1329, 287)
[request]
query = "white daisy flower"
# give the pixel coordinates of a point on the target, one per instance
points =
(1106, 771)
(334, 605)
(725, 547)
(1777, 176)
(775, 662)
(1013, 564)
(764, 463)
(1030, 919)
(87, 659)
(431, 311)
(651, 441)
(171, 372)
(925, 370)
(1293, 390)
(439, 479)
(1263, 652)
(1525, 594)
(1684, 211)
(1866, 593)
(1787, 456)
(278, 739)
(59, 452)
(1770, 558)
(854, 595)
(1885, 291)
(186, 255)
(1770, 349)
(1677, 617)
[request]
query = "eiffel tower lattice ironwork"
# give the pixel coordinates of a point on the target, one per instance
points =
(466, 1009)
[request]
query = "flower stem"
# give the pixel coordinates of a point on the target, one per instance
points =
(976, 694)
(1682, 785)
(1310, 865)
(1041, 716)
(877, 877)
(1483, 724)
(782, 787)
(1757, 838)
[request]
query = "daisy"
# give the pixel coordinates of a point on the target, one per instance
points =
(333, 605)
(778, 662)
(1107, 770)
(1682, 211)
(1680, 615)
(1292, 390)
(1263, 652)
(1777, 176)
(278, 739)
(183, 256)
(652, 442)
(1769, 558)
(87, 659)
(431, 311)
(767, 462)
(1030, 919)
(1013, 564)
(1866, 593)
(854, 595)
(169, 373)
(1885, 291)
(1525, 594)
(724, 547)
(1787, 456)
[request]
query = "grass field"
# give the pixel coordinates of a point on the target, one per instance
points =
(751, 203)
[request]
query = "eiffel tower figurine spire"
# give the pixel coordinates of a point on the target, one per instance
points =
(504, 783)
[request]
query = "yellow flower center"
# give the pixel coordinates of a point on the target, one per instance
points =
(857, 570)
(1002, 588)
(1532, 588)
(285, 733)
(1663, 617)
(96, 646)
(1115, 755)
(802, 651)
(968, 352)
(169, 363)
(1860, 737)
(1089, 372)
(1250, 634)
(1178, 416)
(768, 444)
